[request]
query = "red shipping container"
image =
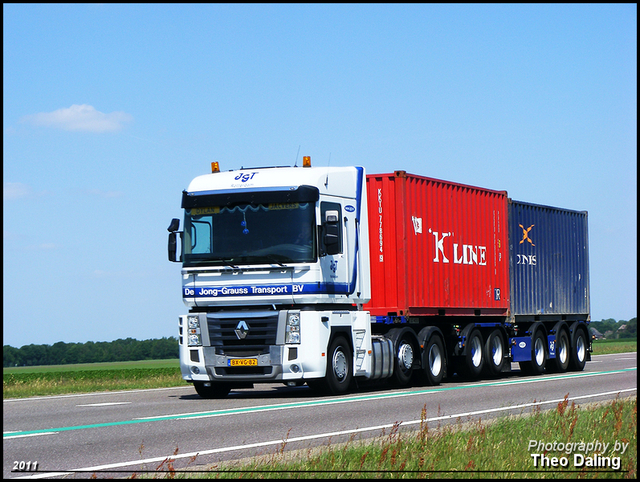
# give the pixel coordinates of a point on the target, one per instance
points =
(436, 247)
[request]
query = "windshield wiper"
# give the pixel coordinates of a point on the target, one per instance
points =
(272, 257)
(227, 262)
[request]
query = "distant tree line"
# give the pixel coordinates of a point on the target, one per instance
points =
(66, 353)
(614, 330)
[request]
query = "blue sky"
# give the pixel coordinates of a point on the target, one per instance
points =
(110, 110)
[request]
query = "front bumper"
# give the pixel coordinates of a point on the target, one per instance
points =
(282, 363)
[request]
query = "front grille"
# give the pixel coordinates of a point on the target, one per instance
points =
(261, 333)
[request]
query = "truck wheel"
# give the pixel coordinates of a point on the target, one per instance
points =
(494, 352)
(474, 358)
(339, 370)
(578, 357)
(434, 365)
(213, 390)
(538, 356)
(405, 350)
(563, 350)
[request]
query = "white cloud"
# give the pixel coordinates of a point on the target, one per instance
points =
(79, 118)
(15, 190)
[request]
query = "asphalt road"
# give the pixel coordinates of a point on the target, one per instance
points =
(114, 432)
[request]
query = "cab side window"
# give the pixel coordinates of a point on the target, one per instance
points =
(331, 228)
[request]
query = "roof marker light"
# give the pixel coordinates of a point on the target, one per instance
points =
(306, 161)
(215, 167)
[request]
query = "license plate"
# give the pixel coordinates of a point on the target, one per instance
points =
(243, 362)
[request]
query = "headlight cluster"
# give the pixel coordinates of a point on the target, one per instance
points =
(193, 331)
(292, 332)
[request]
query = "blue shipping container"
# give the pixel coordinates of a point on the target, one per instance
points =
(549, 262)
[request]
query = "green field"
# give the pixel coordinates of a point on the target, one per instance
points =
(625, 345)
(171, 363)
(20, 382)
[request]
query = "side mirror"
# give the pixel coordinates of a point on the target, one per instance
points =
(174, 226)
(173, 242)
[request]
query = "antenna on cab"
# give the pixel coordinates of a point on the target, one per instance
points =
(295, 164)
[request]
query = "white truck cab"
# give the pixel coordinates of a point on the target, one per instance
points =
(275, 273)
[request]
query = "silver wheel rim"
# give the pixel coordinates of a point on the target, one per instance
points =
(562, 351)
(405, 356)
(476, 351)
(539, 352)
(339, 365)
(496, 350)
(435, 360)
(581, 349)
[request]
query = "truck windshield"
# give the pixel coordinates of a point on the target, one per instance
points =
(250, 234)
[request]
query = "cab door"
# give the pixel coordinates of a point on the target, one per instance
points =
(333, 259)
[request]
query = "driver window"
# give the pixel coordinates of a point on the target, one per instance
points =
(331, 229)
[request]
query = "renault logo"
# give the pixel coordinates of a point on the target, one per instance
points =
(242, 329)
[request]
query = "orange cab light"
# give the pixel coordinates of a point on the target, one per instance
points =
(306, 161)
(215, 167)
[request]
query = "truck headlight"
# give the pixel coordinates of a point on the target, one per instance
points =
(193, 322)
(292, 330)
(194, 337)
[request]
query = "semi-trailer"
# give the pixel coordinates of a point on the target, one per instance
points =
(329, 276)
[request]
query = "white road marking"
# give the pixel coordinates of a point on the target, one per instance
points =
(92, 394)
(103, 404)
(29, 435)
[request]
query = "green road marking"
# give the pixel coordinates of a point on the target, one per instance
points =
(283, 406)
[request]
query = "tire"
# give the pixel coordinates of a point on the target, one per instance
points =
(578, 357)
(434, 361)
(538, 355)
(474, 356)
(494, 352)
(214, 390)
(339, 366)
(405, 352)
(563, 353)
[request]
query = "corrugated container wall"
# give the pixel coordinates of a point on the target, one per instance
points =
(549, 256)
(436, 247)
